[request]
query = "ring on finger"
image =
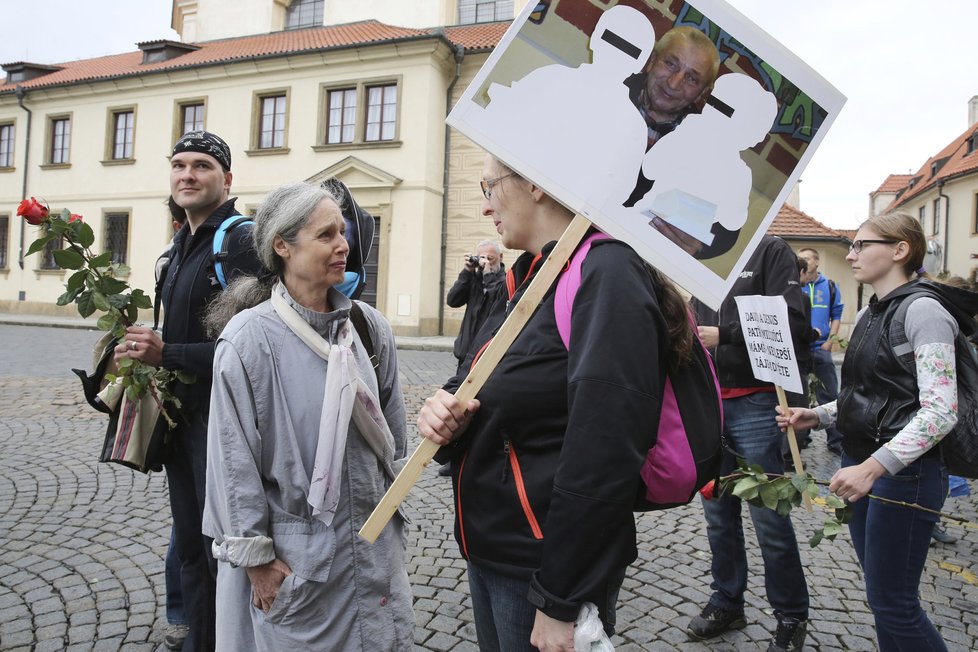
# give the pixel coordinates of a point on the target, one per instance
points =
(132, 346)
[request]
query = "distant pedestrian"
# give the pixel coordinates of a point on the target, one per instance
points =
(481, 288)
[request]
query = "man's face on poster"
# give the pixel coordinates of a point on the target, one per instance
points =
(678, 76)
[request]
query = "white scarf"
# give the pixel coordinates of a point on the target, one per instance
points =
(345, 396)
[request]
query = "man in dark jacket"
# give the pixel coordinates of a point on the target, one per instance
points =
(200, 179)
(752, 433)
(480, 289)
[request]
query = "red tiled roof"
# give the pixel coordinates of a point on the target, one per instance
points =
(894, 183)
(956, 161)
(793, 223)
(471, 37)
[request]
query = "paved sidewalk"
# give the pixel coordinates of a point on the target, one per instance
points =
(82, 543)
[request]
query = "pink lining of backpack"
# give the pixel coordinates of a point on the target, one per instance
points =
(669, 470)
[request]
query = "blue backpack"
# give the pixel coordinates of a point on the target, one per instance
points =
(220, 247)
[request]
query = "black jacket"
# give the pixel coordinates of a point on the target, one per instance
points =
(189, 285)
(547, 473)
(483, 296)
(878, 397)
(771, 271)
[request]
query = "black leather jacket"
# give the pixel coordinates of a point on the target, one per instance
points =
(878, 397)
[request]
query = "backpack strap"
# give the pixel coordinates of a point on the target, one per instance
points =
(832, 289)
(220, 247)
(569, 283)
(363, 330)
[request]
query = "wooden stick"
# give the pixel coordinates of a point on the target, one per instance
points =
(477, 377)
(793, 443)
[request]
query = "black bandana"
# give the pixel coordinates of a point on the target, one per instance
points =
(205, 142)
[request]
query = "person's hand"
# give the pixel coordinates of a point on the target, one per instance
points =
(686, 242)
(443, 417)
(797, 417)
(551, 635)
(469, 265)
(143, 344)
(828, 345)
(709, 335)
(266, 581)
(853, 482)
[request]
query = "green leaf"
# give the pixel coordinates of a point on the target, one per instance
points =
(844, 515)
(68, 259)
(108, 285)
(140, 299)
(834, 501)
(132, 393)
(816, 538)
(119, 301)
(119, 330)
(86, 305)
(832, 528)
(132, 313)
(68, 297)
(57, 227)
(784, 507)
(744, 485)
(107, 321)
(769, 494)
(120, 269)
(77, 280)
(100, 301)
(86, 237)
(102, 260)
(800, 481)
(125, 363)
(758, 471)
(39, 244)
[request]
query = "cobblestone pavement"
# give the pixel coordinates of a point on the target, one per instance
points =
(81, 543)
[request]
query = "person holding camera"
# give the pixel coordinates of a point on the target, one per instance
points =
(479, 289)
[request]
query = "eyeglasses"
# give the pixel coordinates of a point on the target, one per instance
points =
(859, 245)
(487, 184)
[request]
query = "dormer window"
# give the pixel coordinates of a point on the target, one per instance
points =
(157, 51)
(21, 71)
(304, 13)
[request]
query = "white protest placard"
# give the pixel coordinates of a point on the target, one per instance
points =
(764, 322)
(689, 168)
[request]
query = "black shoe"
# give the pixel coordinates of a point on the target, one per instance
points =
(445, 469)
(713, 621)
(175, 635)
(790, 635)
(941, 536)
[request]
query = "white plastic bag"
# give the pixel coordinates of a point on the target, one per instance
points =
(589, 635)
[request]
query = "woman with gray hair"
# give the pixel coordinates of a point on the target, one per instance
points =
(304, 439)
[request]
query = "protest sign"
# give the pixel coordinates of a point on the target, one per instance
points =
(690, 170)
(764, 323)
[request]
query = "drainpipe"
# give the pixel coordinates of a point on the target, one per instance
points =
(459, 55)
(27, 156)
(947, 221)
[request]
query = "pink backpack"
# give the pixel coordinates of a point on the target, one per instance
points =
(688, 448)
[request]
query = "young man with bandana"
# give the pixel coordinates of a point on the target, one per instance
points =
(200, 180)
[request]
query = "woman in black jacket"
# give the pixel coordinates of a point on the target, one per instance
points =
(547, 471)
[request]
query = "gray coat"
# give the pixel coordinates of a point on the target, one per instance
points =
(345, 594)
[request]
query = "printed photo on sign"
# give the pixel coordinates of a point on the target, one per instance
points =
(679, 128)
(767, 335)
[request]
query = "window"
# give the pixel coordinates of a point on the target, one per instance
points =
(271, 124)
(191, 117)
(60, 139)
(304, 13)
(47, 255)
(341, 111)
(922, 215)
(123, 131)
(484, 11)
(6, 146)
(4, 239)
(937, 216)
(381, 112)
(117, 236)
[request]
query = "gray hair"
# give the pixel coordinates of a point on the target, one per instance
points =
(490, 243)
(283, 212)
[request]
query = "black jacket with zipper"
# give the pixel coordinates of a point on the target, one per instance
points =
(546, 475)
(189, 286)
(878, 397)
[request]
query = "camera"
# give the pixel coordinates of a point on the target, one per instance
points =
(474, 261)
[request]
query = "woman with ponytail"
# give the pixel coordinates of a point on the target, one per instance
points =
(304, 438)
(546, 462)
(892, 420)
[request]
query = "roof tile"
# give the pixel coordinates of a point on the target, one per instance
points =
(793, 223)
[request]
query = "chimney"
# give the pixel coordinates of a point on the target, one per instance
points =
(973, 110)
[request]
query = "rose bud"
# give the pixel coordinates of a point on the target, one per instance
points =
(32, 211)
(75, 217)
(709, 490)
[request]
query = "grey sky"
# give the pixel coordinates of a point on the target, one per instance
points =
(905, 67)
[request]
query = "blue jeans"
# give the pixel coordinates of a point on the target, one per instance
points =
(504, 617)
(892, 542)
(174, 596)
(752, 433)
(828, 391)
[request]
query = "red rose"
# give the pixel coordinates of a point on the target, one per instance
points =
(708, 490)
(32, 211)
(75, 217)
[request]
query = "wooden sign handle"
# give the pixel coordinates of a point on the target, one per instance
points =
(793, 443)
(507, 333)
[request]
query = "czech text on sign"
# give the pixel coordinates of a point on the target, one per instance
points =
(764, 321)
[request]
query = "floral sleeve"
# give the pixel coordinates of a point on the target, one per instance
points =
(938, 392)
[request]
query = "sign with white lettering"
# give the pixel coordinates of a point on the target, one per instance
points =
(764, 322)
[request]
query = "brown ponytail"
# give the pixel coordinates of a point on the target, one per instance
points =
(676, 312)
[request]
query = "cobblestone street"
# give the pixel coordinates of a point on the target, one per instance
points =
(82, 543)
